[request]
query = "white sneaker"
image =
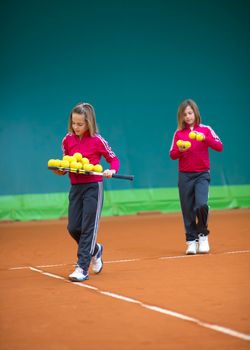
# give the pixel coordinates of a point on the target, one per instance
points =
(78, 275)
(203, 244)
(97, 263)
(191, 247)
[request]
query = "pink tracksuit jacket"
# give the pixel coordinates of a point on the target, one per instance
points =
(93, 148)
(196, 158)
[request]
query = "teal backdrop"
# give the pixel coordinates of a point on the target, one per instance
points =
(135, 61)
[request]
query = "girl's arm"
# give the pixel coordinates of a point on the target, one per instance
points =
(109, 155)
(212, 140)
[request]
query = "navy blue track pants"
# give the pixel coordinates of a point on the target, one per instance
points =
(85, 206)
(193, 193)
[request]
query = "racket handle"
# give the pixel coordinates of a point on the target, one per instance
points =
(123, 177)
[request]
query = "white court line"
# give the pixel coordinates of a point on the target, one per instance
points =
(238, 252)
(125, 260)
(28, 267)
(140, 259)
(217, 328)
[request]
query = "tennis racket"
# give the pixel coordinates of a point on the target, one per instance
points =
(85, 172)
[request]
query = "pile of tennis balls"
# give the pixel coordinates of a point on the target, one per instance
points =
(77, 161)
(194, 135)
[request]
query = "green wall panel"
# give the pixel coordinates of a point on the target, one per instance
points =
(117, 202)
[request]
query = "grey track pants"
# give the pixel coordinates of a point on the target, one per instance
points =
(85, 205)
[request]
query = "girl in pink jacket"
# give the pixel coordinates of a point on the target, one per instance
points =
(190, 146)
(86, 192)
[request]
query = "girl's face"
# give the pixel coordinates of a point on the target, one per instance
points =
(79, 124)
(189, 116)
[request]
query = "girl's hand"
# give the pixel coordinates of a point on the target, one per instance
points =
(59, 172)
(182, 148)
(183, 145)
(109, 172)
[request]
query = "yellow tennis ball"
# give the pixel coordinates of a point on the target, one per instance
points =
(77, 156)
(57, 162)
(72, 159)
(192, 135)
(79, 165)
(187, 144)
(51, 162)
(179, 143)
(65, 163)
(66, 157)
(73, 165)
(199, 137)
(84, 160)
(97, 168)
(88, 167)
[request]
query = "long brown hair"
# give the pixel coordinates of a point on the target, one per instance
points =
(181, 109)
(87, 110)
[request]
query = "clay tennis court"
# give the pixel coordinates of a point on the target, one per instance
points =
(149, 295)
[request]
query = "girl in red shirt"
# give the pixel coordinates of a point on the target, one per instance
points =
(194, 173)
(86, 192)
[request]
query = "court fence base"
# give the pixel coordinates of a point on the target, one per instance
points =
(27, 207)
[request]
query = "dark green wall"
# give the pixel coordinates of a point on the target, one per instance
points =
(135, 61)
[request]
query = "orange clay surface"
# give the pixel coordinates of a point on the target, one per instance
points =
(148, 296)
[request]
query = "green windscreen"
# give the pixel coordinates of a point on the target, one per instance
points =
(54, 205)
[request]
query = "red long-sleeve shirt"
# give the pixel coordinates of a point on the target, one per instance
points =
(93, 148)
(196, 158)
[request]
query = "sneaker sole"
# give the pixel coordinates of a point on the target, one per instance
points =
(73, 279)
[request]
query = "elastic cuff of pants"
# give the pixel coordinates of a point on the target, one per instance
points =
(205, 232)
